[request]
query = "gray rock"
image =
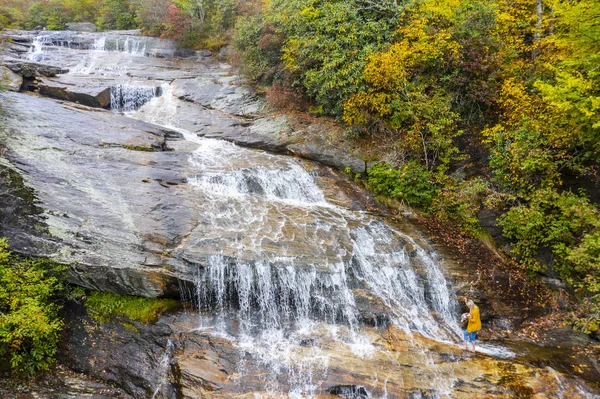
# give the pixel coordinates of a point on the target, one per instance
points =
(80, 214)
(60, 383)
(189, 53)
(225, 51)
(129, 357)
(82, 27)
(98, 97)
(17, 50)
(18, 36)
(554, 283)
(220, 93)
(327, 156)
(30, 69)
(349, 391)
(10, 80)
(488, 219)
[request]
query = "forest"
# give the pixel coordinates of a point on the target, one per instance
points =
(468, 104)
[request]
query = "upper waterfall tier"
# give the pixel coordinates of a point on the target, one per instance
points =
(130, 42)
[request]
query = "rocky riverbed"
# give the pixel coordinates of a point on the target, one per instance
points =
(117, 158)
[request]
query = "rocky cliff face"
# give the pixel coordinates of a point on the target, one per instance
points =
(66, 153)
(113, 194)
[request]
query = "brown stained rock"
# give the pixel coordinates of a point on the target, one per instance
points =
(402, 366)
(203, 364)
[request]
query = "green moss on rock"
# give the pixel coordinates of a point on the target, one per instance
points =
(105, 306)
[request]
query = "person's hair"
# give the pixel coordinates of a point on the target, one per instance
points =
(470, 303)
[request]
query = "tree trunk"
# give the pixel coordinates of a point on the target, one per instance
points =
(539, 11)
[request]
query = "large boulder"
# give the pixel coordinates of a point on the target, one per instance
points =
(328, 156)
(10, 80)
(105, 194)
(220, 93)
(92, 96)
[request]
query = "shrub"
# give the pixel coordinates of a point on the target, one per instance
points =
(10, 17)
(560, 221)
(459, 201)
(30, 328)
(412, 183)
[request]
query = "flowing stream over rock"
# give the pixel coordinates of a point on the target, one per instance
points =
(288, 266)
(296, 293)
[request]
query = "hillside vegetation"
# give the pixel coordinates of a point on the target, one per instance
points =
(473, 104)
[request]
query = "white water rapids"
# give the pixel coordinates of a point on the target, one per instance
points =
(292, 279)
(272, 304)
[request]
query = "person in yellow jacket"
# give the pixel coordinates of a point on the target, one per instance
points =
(470, 334)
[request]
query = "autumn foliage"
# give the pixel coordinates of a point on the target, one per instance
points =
(517, 80)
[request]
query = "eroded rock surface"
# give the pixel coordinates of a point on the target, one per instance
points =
(204, 364)
(88, 169)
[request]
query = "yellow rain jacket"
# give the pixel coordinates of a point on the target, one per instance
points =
(474, 320)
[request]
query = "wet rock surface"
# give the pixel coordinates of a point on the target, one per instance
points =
(116, 206)
(122, 352)
(204, 364)
(61, 383)
(96, 158)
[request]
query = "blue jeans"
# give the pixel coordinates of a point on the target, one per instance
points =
(472, 337)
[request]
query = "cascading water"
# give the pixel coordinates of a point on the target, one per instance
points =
(40, 43)
(275, 302)
(127, 97)
(163, 369)
(297, 286)
(131, 45)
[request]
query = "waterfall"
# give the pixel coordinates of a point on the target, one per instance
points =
(163, 370)
(132, 45)
(127, 97)
(99, 44)
(36, 52)
(299, 288)
(276, 303)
